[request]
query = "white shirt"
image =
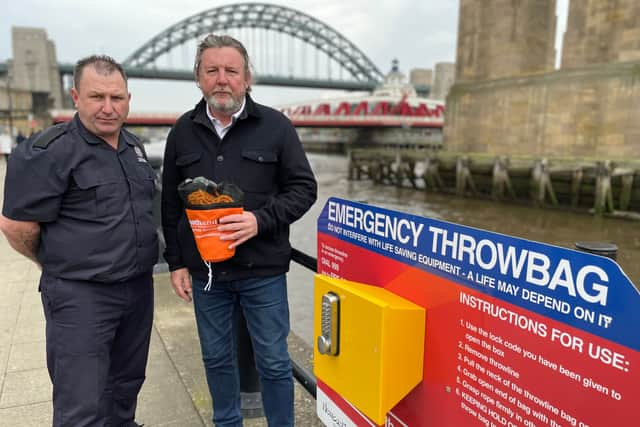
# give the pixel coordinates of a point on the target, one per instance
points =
(222, 130)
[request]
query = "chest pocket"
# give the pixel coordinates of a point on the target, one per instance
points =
(258, 171)
(149, 181)
(189, 165)
(104, 195)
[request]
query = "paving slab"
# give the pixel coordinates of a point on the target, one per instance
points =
(34, 415)
(22, 388)
(27, 356)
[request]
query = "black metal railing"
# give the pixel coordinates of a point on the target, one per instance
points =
(304, 377)
(304, 260)
(251, 401)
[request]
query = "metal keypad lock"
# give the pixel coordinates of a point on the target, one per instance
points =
(328, 342)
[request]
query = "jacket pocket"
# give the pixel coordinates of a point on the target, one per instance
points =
(188, 159)
(260, 156)
(190, 165)
(258, 171)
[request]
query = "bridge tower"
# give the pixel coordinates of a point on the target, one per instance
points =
(445, 73)
(35, 68)
(600, 32)
(501, 38)
(516, 105)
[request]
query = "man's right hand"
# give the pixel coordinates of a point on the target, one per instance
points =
(181, 282)
(23, 236)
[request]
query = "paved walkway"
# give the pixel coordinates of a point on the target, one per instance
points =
(175, 392)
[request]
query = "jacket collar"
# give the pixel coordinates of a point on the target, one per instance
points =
(96, 140)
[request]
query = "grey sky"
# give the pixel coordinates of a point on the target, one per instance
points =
(418, 33)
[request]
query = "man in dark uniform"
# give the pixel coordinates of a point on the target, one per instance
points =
(78, 202)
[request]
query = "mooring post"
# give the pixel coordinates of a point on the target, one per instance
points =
(603, 202)
(431, 174)
(606, 249)
(576, 184)
(542, 183)
(500, 179)
(463, 176)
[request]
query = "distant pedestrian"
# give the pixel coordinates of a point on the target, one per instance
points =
(78, 203)
(20, 137)
(229, 137)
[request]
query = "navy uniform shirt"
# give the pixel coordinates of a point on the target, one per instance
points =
(93, 204)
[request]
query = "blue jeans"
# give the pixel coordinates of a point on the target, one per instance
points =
(266, 310)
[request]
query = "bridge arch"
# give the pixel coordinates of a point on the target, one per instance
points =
(271, 17)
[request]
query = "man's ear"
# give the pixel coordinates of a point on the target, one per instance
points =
(74, 96)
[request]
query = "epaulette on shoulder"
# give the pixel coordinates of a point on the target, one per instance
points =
(49, 135)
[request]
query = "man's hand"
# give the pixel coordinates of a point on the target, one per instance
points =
(238, 228)
(181, 282)
(23, 236)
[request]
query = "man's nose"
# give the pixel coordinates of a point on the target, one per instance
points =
(107, 106)
(222, 78)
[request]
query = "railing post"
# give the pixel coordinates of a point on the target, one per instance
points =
(250, 391)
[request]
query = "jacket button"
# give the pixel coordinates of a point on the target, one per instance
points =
(260, 158)
(220, 158)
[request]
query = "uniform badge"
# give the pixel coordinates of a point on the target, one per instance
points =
(140, 154)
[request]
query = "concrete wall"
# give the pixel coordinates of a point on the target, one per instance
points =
(592, 112)
(55, 82)
(601, 31)
(500, 38)
(20, 107)
(445, 73)
(421, 76)
(34, 63)
(20, 99)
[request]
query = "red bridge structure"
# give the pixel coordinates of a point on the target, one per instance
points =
(368, 111)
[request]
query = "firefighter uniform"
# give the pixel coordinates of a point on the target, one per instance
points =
(97, 249)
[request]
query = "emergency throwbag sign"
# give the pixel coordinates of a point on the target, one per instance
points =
(518, 333)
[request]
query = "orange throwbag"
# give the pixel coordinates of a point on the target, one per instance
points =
(204, 224)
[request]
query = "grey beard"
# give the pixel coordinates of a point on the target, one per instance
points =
(229, 107)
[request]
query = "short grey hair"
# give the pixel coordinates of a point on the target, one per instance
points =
(103, 64)
(214, 41)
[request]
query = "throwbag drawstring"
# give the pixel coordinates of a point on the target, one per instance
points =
(210, 282)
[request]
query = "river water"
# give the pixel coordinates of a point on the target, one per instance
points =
(550, 226)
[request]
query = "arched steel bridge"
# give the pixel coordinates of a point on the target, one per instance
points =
(287, 47)
(271, 18)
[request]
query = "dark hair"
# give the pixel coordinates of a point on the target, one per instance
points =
(213, 41)
(103, 64)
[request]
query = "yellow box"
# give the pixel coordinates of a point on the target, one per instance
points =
(381, 346)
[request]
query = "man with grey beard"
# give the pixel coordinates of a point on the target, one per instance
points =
(229, 138)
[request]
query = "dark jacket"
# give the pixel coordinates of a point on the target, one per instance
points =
(261, 154)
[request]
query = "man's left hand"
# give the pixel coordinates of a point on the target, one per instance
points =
(238, 228)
